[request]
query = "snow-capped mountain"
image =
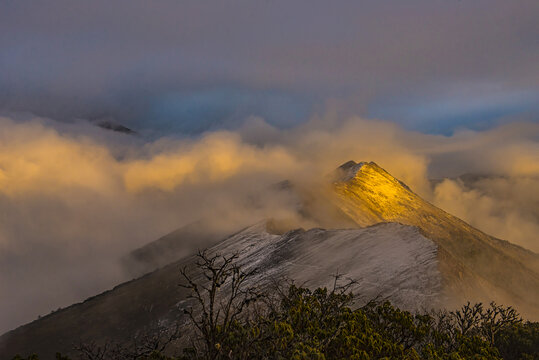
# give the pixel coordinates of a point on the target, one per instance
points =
(398, 247)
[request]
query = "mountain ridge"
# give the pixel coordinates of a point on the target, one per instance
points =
(298, 254)
(372, 195)
(405, 248)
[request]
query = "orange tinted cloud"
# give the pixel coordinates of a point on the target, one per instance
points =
(74, 204)
(34, 158)
(214, 158)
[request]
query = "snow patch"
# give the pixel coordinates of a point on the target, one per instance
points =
(388, 261)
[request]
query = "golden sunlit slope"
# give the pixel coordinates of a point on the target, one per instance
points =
(474, 264)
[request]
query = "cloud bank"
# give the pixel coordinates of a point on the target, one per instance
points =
(74, 198)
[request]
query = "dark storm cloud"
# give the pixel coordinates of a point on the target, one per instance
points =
(89, 59)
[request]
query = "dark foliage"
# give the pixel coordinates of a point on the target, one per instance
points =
(233, 320)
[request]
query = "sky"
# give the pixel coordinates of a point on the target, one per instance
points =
(228, 98)
(190, 66)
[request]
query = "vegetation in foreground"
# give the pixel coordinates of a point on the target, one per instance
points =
(230, 320)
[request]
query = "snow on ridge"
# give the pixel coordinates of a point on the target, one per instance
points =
(389, 260)
(348, 170)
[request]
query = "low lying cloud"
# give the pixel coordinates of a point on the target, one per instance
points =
(37, 159)
(214, 158)
(75, 199)
(506, 207)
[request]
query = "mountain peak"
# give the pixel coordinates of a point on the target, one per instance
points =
(380, 196)
(370, 195)
(348, 170)
(347, 165)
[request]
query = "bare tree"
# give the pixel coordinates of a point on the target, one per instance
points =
(152, 340)
(497, 318)
(467, 318)
(475, 320)
(220, 298)
(93, 351)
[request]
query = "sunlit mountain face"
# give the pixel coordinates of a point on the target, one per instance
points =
(369, 195)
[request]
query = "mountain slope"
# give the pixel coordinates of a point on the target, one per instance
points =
(389, 261)
(175, 245)
(430, 259)
(475, 265)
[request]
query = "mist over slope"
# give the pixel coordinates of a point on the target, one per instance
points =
(430, 259)
(94, 195)
(476, 265)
